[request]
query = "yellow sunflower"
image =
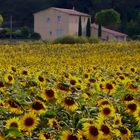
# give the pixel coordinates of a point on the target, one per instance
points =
(106, 131)
(117, 122)
(38, 107)
(54, 123)
(45, 136)
(106, 111)
(29, 122)
(68, 135)
(131, 107)
(9, 79)
(104, 101)
(91, 131)
(81, 134)
(48, 94)
(137, 115)
(109, 88)
(1, 84)
(13, 106)
(125, 133)
(40, 79)
(133, 86)
(127, 98)
(13, 122)
(12, 69)
(69, 103)
(24, 72)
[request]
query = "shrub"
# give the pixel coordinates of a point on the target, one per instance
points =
(25, 31)
(5, 33)
(75, 39)
(93, 40)
(136, 37)
(35, 35)
(65, 40)
(17, 34)
(81, 40)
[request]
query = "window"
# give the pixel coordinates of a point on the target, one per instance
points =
(59, 33)
(47, 19)
(58, 18)
(50, 32)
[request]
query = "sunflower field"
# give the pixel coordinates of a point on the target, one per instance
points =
(70, 92)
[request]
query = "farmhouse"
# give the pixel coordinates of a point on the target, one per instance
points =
(107, 34)
(54, 22)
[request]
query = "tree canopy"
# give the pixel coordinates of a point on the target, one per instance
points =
(1, 20)
(108, 17)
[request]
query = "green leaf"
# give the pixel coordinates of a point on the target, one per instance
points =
(136, 139)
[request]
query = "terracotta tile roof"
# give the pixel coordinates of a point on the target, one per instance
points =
(68, 11)
(109, 30)
(71, 11)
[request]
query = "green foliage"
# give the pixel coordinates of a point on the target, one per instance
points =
(25, 31)
(108, 18)
(68, 40)
(1, 20)
(13, 133)
(5, 33)
(35, 35)
(88, 29)
(74, 39)
(100, 30)
(136, 37)
(93, 40)
(80, 27)
(22, 33)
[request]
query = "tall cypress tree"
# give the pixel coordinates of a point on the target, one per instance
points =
(80, 27)
(99, 30)
(88, 30)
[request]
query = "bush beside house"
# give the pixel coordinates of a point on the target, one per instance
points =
(68, 39)
(22, 33)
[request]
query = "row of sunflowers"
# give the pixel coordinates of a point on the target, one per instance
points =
(70, 92)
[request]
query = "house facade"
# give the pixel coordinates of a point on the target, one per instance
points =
(57, 22)
(54, 22)
(107, 34)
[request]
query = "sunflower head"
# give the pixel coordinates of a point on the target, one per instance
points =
(91, 131)
(69, 103)
(43, 135)
(12, 69)
(48, 94)
(13, 106)
(38, 107)
(117, 121)
(125, 132)
(131, 107)
(13, 122)
(54, 123)
(29, 122)
(9, 79)
(68, 135)
(106, 111)
(137, 115)
(1, 84)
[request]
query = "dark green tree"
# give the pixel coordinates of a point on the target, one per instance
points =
(88, 29)
(1, 20)
(80, 27)
(109, 18)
